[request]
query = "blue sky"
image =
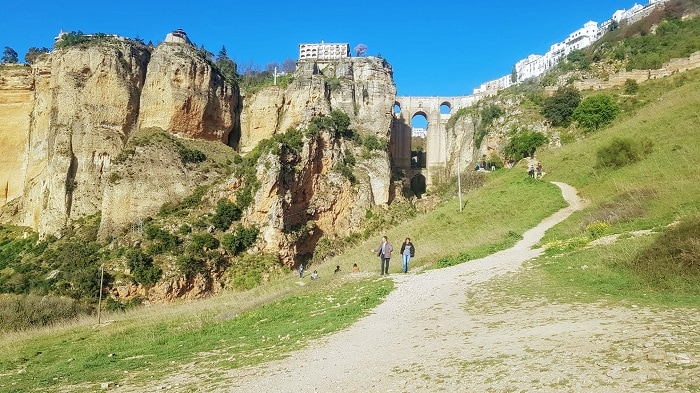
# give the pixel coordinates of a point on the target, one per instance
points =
(435, 48)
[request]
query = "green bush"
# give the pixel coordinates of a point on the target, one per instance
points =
(490, 113)
(524, 144)
(621, 152)
(226, 213)
(372, 142)
(20, 312)
(191, 265)
(596, 111)
(240, 240)
(202, 241)
(558, 108)
(142, 268)
(673, 258)
(162, 241)
(631, 86)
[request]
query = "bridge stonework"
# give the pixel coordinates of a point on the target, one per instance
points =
(436, 155)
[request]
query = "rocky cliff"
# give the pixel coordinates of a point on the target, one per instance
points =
(80, 126)
(361, 87)
(77, 110)
(294, 208)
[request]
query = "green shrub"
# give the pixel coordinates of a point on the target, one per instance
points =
(142, 268)
(191, 265)
(490, 113)
(631, 86)
(558, 108)
(524, 144)
(372, 142)
(163, 241)
(202, 241)
(596, 111)
(226, 213)
(673, 258)
(20, 312)
(240, 240)
(621, 152)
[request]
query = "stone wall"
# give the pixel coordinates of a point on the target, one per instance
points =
(617, 79)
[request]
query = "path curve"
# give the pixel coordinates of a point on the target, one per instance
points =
(429, 336)
(370, 355)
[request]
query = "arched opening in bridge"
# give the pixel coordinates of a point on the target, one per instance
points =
(445, 108)
(419, 130)
(418, 185)
(397, 109)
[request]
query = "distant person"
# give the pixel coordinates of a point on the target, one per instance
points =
(539, 170)
(531, 171)
(314, 275)
(301, 270)
(384, 253)
(355, 268)
(407, 252)
(337, 269)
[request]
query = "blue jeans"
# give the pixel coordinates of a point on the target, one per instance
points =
(406, 258)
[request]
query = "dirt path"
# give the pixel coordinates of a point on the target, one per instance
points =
(426, 337)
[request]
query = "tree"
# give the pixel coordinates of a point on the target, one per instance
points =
(222, 54)
(596, 111)
(270, 67)
(226, 66)
(559, 107)
(579, 59)
(360, 49)
(9, 56)
(524, 144)
(289, 65)
(33, 54)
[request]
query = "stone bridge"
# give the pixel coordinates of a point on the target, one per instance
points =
(437, 111)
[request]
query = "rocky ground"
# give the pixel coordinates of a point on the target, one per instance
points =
(446, 331)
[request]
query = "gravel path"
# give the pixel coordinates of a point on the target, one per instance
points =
(429, 336)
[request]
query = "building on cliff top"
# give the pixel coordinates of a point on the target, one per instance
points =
(178, 36)
(323, 51)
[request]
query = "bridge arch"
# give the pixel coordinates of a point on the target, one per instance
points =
(437, 111)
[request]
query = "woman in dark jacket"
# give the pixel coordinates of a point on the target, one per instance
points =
(407, 251)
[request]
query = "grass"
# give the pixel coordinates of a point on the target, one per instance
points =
(148, 344)
(493, 218)
(659, 269)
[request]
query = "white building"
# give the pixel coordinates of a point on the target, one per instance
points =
(419, 132)
(324, 51)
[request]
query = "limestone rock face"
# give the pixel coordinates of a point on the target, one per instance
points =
(85, 105)
(302, 200)
(260, 117)
(186, 96)
(363, 88)
(16, 103)
(306, 198)
(141, 182)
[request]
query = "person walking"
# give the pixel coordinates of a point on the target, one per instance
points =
(407, 252)
(301, 270)
(384, 253)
